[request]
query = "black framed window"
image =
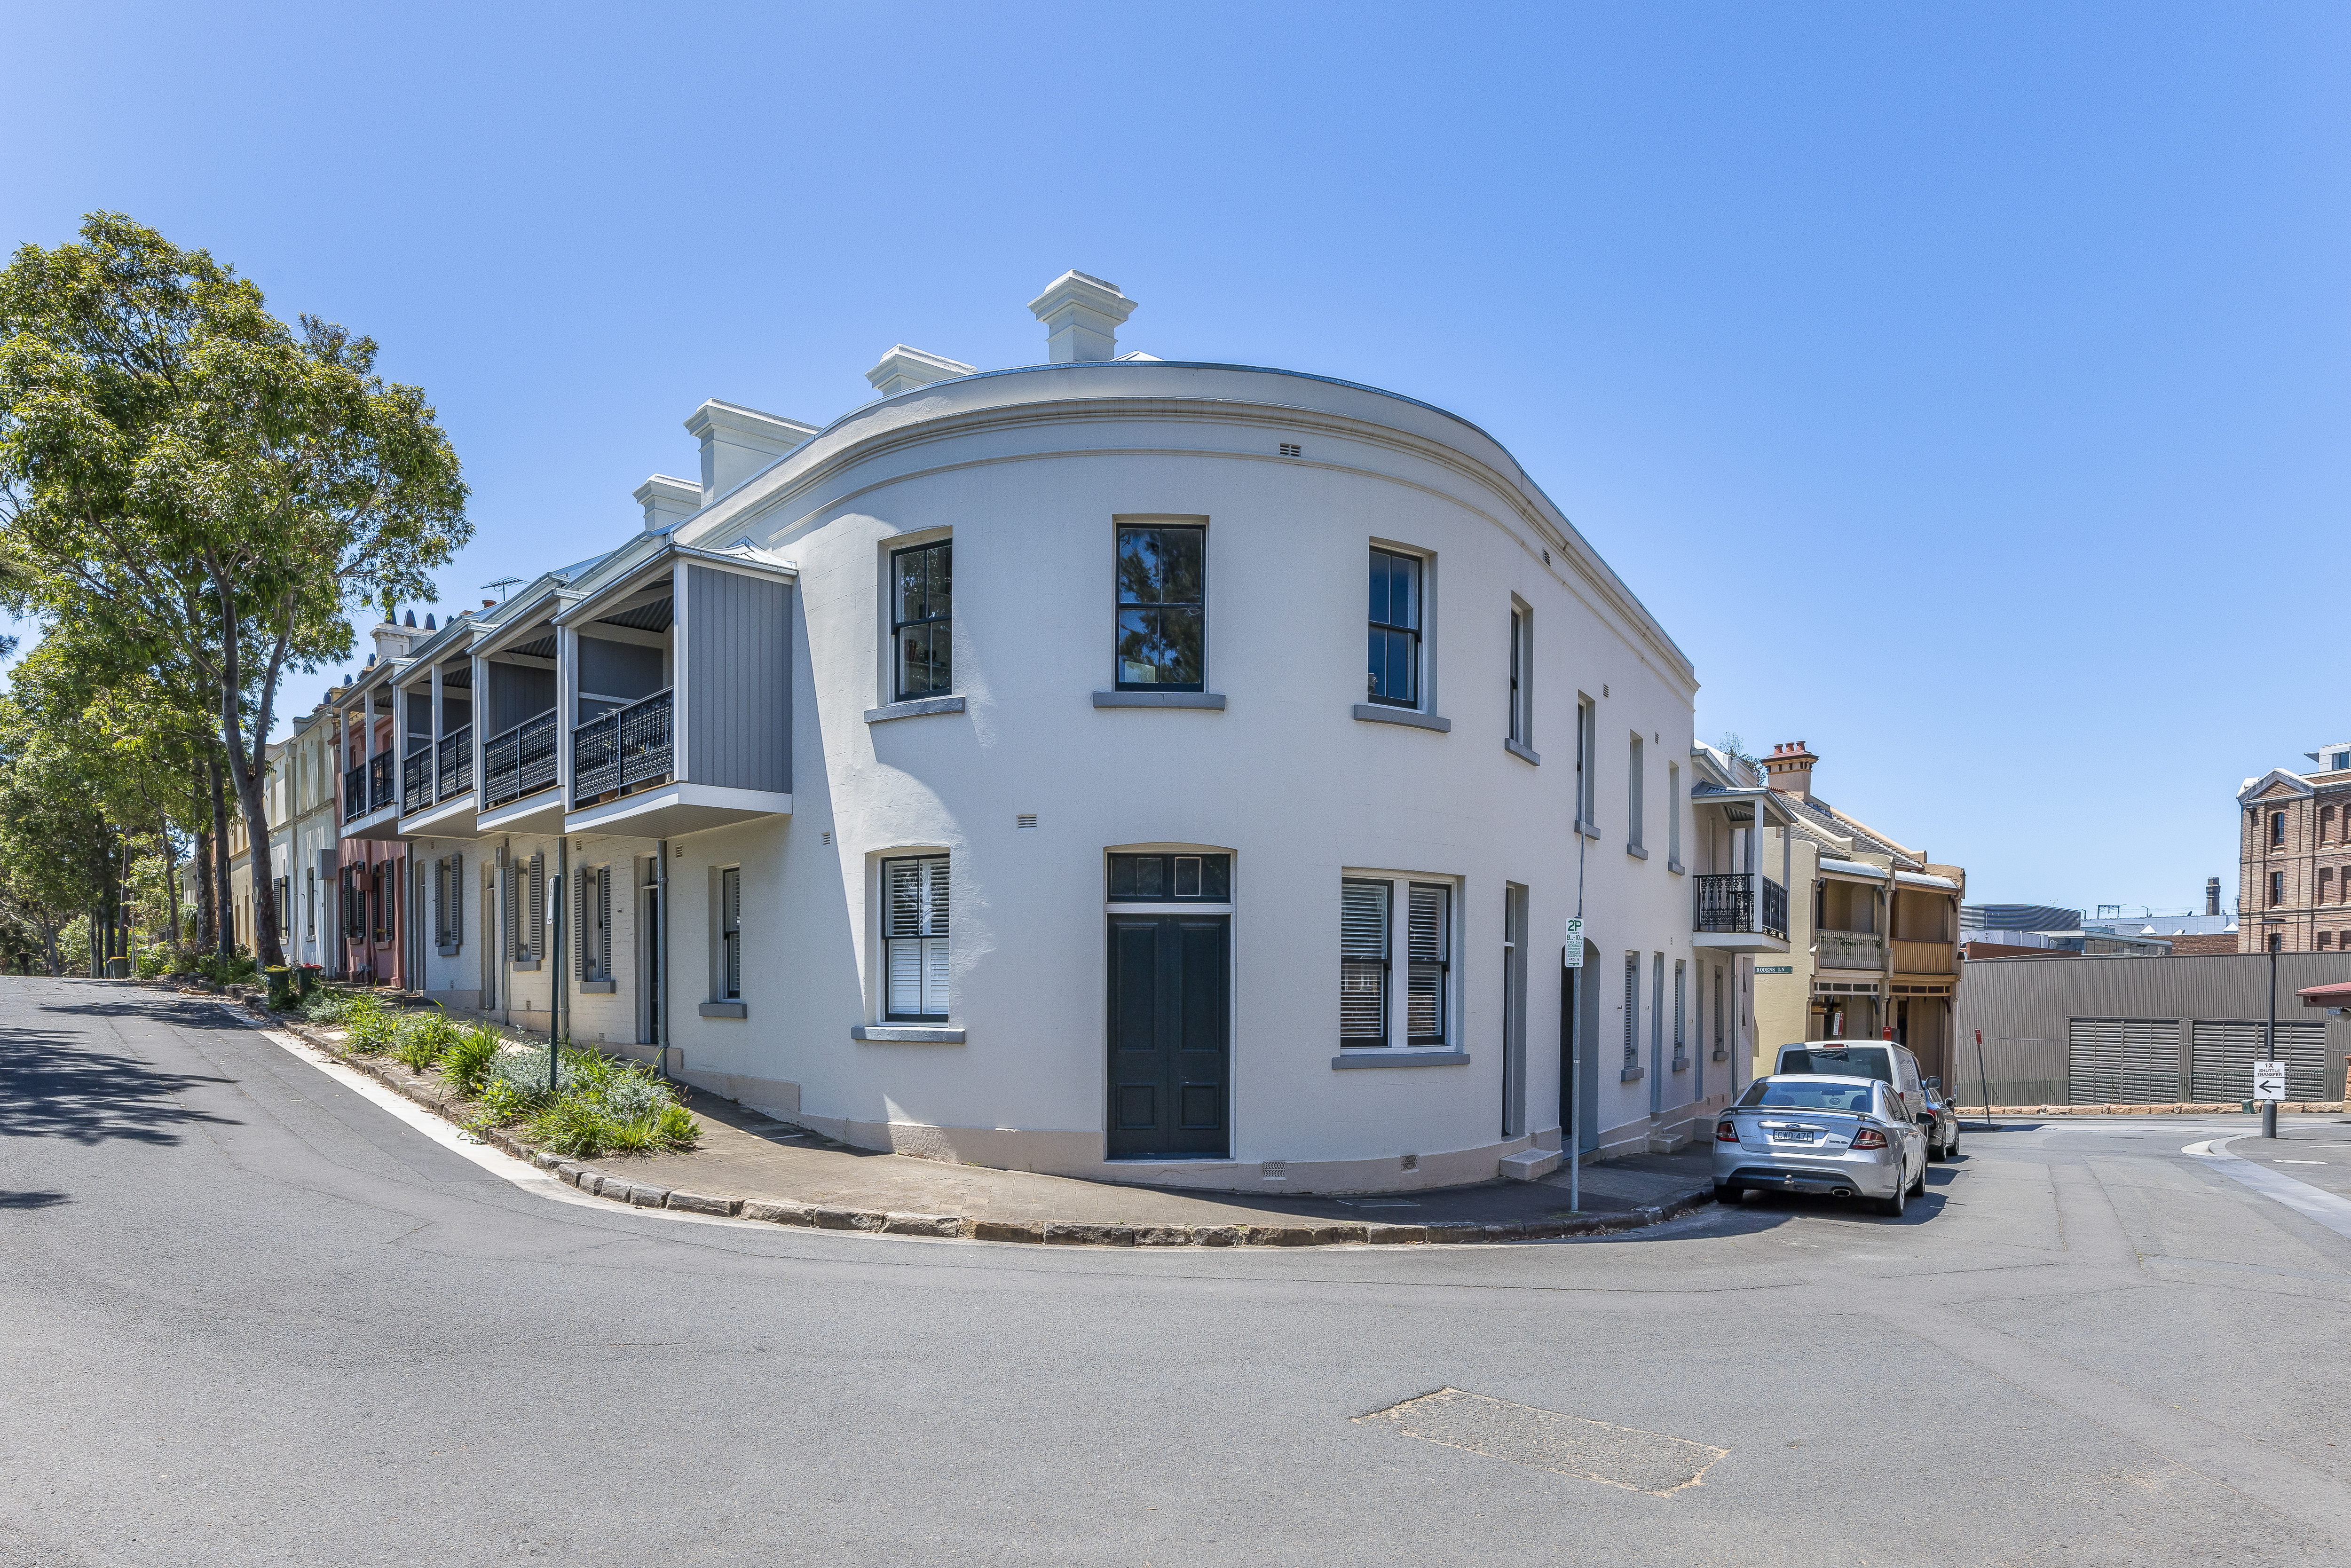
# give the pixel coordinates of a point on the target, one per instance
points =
(2277, 826)
(920, 604)
(730, 934)
(1395, 675)
(1161, 879)
(1518, 675)
(1162, 609)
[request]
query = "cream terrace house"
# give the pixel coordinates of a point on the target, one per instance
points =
(1119, 766)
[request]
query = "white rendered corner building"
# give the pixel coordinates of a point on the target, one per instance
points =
(1118, 766)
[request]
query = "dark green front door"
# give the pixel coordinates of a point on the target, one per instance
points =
(1169, 990)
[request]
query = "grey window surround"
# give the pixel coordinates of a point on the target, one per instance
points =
(724, 1010)
(446, 950)
(911, 1034)
(1374, 713)
(1522, 751)
(1630, 1074)
(1720, 1055)
(1388, 1056)
(596, 988)
(1587, 829)
(1159, 699)
(1675, 867)
(1637, 852)
(526, 965)
(914, 708)
(1681, 1063)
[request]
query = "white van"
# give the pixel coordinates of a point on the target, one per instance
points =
(1879, 1059)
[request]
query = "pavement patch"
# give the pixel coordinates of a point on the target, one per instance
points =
(1615, 1455)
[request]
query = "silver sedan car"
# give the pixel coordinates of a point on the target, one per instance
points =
(1845, 1138)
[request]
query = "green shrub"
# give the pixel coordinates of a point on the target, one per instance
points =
(677, 1127)
(373, 1026)
(503, 1102)
(328, 1007)
(570, 1125)
(605, 1105)
(418, 1040)
(228, 971)
(467, 1060)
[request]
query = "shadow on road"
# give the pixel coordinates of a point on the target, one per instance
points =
(53, 1085)
(31, 1199)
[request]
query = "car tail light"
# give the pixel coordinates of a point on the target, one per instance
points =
(1869, 1138)
(1724, 1133)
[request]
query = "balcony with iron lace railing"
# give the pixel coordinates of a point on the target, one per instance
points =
(520, 762)
(456, 763)
(1743, 910)
(416, 778)
(622, 751)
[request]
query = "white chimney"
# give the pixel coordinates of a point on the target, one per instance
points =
(903, 370)
(736, 442)
(667, 501)
(1081, 316)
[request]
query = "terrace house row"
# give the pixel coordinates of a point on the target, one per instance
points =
(1115, 765)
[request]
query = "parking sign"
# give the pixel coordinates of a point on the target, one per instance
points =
(1573, 957)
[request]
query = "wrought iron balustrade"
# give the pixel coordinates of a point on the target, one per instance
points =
(416, 778)
(379, 780)
(457, 767)
(1727, 902)
(355, 792)
(621, 750)
(520, 762)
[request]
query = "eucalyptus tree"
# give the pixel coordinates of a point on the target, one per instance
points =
(183, 470)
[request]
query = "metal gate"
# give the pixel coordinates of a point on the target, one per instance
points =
(2122, 1061)
(2227, 1049)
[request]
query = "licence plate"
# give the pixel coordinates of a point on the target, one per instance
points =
(1793, 1135)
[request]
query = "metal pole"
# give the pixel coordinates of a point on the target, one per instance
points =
(660, 957)
(2269, 1050)
(554, 1005)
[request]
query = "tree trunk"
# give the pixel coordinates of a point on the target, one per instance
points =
(49, 949)
(266, 947)
(171, 858)
(223, 933)
(207, 916)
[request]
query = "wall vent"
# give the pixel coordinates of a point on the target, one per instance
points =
(1277, 1170)
(1408, 1162)
(828, 835)
(1026, 819)
(1290, 449)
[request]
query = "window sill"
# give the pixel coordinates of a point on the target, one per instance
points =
(1383, 1056)
(1159, 699)
(1373, 713)
(1677, 868)
(1681, 1064)
(913, 708)
(526, 965)
(1722, 1056)
(1522, 751)
(1586, 828)
(447, 952)
(1637, 852)
(909, 1034)
(724, 1011)
(595, 987)
(1631, 1075)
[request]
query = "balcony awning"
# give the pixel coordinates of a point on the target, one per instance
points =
(629, 576)
(1919, 879)
(1854, 868)
(2337, 995)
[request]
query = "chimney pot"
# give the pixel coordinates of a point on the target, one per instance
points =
(1081, 316)
(412, 618)
(429, 626)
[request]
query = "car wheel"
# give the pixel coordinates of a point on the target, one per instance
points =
(1918, 1188)
(1729, 1192)
(1934, 1148)
(1892, 1206)
(1951, 1149)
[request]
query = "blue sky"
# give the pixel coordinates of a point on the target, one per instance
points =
(1963, 387)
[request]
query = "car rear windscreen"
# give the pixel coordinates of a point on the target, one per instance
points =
(1802, 1097)
(1856, 1061)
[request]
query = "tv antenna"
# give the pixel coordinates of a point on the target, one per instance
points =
(502, 584)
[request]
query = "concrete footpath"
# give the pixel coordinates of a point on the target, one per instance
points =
(757, 1167)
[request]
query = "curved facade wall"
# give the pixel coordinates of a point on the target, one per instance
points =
(1032, 781)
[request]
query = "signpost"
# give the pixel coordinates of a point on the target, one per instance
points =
(2269, 1087)
(1570, 1137)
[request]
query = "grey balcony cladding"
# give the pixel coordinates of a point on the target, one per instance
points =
(517, 692)
(738, 681)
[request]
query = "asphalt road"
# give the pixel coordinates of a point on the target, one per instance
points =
(247, 1315)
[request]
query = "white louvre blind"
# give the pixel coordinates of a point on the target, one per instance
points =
(731, 932)
(1363, 963)
(1429, 916)
(914, 933)
(538, 917)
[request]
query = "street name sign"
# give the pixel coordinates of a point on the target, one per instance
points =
(2268, 1081)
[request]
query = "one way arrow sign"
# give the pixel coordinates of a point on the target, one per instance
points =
(2268, 1081)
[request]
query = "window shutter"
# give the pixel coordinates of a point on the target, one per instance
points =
(1632, 1009)
(582, 966)
(604, 923)
(1363, 963)
(456, 902)
(730, 926)
(1425, 919)
(537, 919)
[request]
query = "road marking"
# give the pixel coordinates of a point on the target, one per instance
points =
(2297, 1162)
(2313, 1202)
